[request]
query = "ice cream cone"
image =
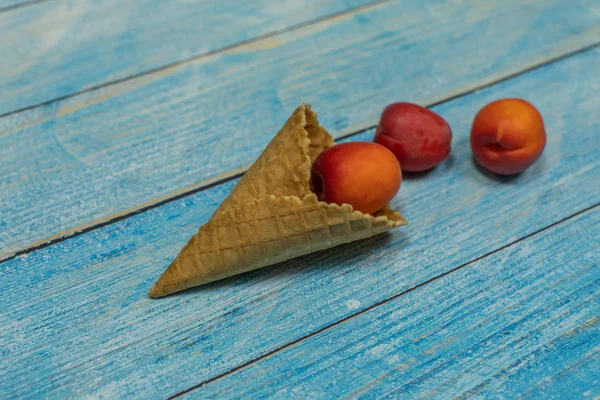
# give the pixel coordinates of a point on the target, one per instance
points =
(272, 215)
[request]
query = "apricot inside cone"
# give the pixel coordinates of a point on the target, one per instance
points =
(363, 174)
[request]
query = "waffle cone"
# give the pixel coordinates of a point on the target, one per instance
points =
(272, 215)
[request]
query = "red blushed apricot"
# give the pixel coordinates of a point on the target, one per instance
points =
(508, 136)
(418, 137)
(365, 175)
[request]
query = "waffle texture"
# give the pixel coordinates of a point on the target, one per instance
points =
(272, 215)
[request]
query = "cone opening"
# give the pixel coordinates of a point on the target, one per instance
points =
(319, 138)
(319, 141)
(317, 185)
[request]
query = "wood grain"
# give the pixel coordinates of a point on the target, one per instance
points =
(76, 318)
(521, 323)
(57, 48)
(78, 162)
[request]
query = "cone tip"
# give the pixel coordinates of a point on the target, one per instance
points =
(156, 291)
(161, 286)
(171, 281)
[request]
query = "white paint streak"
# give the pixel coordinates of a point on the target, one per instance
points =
(353, 304)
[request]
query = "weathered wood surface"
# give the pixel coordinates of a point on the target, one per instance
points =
(86, 159)
(521, 323)
(76, 319)
(60, 47)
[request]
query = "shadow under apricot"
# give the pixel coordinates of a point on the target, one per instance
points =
(448, 163)
(504, 179)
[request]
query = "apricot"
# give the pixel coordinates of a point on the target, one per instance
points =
(418, 137)
(508, 136)
(365, 175)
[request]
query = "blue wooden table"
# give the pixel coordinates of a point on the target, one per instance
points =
(124, 124)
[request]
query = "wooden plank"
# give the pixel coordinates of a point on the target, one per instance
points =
(76, 315)
(60, 47)
(565, 368)
(84, 160)
(507, 326)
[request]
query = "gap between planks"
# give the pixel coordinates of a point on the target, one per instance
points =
(21, 5)
(193, 58)
(379, 304)
(236, 173)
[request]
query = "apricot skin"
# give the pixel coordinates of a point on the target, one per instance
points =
(365, 175)
(508, 136)
(419, 138)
